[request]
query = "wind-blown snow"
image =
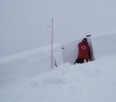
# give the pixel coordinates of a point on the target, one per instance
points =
(93, 81)
(89, 82)
(27, 64)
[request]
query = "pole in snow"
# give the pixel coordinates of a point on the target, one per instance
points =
(63, 53)
(52, 45)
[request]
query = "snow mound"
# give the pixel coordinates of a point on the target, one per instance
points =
(92, 81)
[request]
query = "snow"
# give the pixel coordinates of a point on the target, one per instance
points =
(93, 81)
(89, 82)
(28, 63)
(102, 45)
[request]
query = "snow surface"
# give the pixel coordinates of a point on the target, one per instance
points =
(102, 45)
(27, 64)
(89, 82)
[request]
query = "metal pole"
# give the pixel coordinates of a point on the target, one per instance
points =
(52, 46)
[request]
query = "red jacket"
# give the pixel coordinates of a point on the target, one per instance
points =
(84, 50)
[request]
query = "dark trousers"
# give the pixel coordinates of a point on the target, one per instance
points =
(80, 60)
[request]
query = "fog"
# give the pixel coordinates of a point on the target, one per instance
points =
(23, 23)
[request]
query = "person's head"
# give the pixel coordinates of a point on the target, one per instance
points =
(84, 39)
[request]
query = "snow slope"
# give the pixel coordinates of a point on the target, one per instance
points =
(29, 63)
(89, 82)
(27, 78)
(102, 45)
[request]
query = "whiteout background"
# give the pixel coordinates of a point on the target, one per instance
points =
(27, 77)
(23, 22)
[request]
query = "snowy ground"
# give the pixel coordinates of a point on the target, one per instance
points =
(27, 77)
(89, 82)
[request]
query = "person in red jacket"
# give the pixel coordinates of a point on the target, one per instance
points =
(84, 53)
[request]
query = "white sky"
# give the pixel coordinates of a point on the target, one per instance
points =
(23, 22)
